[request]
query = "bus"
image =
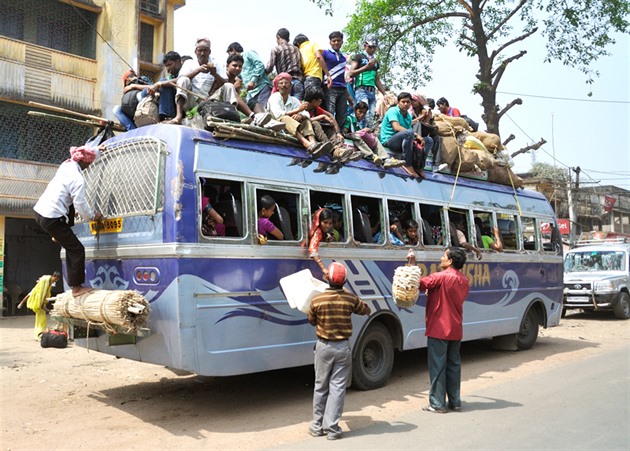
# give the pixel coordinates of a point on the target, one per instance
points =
(216, 306)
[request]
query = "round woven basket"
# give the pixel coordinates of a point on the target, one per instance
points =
(405, 285)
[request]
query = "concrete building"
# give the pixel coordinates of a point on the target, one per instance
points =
(70, 54)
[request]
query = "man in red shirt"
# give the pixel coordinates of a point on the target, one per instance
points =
(447, 291)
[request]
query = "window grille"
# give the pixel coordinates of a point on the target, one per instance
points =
(128, 178)
(146, 42)
(150, 6)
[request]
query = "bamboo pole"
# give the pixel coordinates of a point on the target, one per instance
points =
(85, 122)
(66, 111)
(254, 135)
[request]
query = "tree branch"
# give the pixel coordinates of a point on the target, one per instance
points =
(536, 146)
(507, 18)
(509, 43)
(467, 7)
(508, 107)
(498, 72)
(508, 139)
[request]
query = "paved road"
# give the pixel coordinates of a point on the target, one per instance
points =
(583, 404)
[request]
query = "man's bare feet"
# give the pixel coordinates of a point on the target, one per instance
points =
(411, 171)
(175, 121)
(81, 290)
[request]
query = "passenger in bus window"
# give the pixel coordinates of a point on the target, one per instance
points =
(395, 235)
(337, 220)
(488, 242)
(460, 226)
(411, 232)
(321, 230)
(212, 222)
(266, 209)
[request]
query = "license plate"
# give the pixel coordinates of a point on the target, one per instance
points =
(110, 225)
(580, 299)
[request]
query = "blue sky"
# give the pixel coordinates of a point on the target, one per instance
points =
(592, 133)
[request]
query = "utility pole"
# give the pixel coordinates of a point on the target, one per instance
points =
(572, 210)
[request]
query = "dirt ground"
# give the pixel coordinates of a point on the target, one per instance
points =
(74, 399)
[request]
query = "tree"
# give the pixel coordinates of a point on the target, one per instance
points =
(550, 172)
(578, 33)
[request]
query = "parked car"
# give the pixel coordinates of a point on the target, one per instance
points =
(597, 277)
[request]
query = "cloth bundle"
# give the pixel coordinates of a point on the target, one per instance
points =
(405, 285)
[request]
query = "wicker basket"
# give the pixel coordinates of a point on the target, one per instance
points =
(405, 285)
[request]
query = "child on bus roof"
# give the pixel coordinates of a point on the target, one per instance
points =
(266, 209)
(321, 230)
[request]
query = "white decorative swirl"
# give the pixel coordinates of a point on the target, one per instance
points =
(511, 281)
(107, 277)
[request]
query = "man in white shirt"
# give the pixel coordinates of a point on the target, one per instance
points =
(202, 78)
(289, 110)
(67, 188)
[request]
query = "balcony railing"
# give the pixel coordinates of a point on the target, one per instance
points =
(32, 72)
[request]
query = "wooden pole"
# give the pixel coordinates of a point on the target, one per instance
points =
(101, 120)
(85, 122)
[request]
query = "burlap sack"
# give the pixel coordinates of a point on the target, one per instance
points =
(501, 175)
(461, 122)
(470, 160)
(490, 140)
(448, 150)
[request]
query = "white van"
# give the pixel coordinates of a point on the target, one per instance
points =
(597, 277)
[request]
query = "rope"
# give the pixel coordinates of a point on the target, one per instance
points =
(518, 205)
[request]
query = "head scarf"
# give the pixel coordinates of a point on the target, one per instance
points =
(83, 153)
(419, 98)
(202, 42)
(281, 76)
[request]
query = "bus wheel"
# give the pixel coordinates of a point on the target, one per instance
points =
(373, 358)
(528, 333)
(622, 307)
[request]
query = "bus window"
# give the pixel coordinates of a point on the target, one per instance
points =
(285, 214)
(225, 198)
(483, 234)
(431, 224)
(366, 219)
(530, 241)
(552, 240)
(408, 229)
(507, 228)
(334, 202)
(458, 225)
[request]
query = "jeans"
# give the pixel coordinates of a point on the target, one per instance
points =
(333, 363)
(297, 88)
(403, 143)
(167, 106)
(125, 120)
(312, 82)
(369, 97)
(337, 103)
(445, 372)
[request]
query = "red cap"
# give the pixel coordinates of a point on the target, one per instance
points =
(336, 274)
(128, 74)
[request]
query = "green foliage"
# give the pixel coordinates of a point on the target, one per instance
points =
(548, 171)
(578, 32)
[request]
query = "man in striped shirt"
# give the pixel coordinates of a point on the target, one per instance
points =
(330, 314)
(286, 57)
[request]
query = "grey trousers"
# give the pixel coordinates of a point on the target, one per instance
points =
(333, 363)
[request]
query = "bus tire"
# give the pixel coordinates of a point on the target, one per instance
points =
(528, 333)
(373, 358)
(622, 307)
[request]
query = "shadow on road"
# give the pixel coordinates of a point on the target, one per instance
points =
(189, 405)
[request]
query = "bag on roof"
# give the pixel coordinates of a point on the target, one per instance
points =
(218, 109)
(148, 111)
